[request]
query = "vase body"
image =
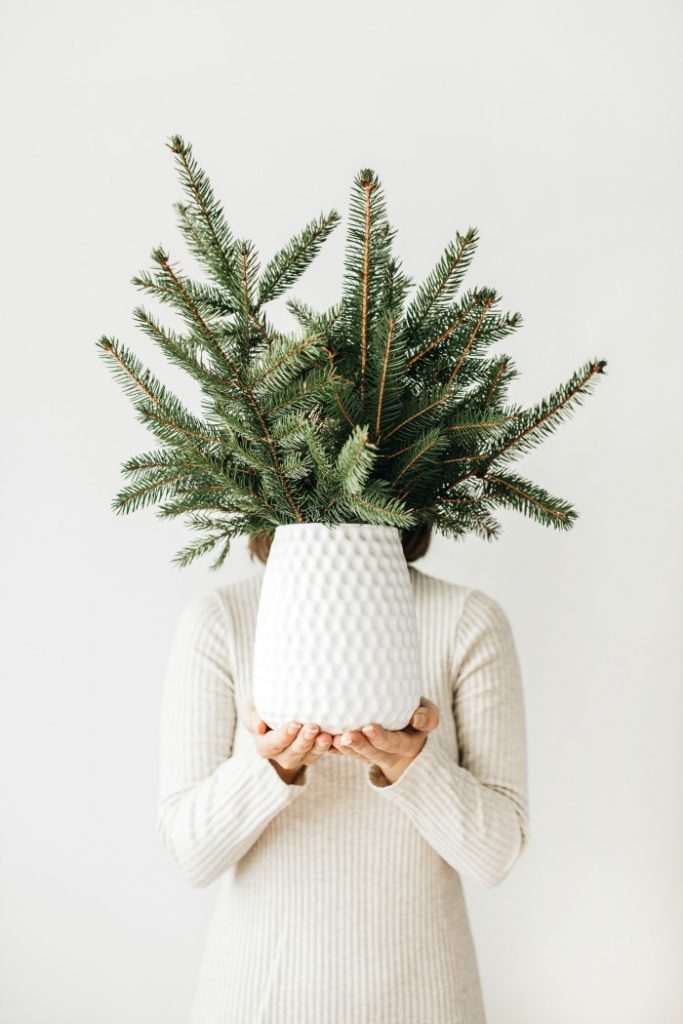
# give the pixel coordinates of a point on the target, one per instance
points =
(336, 639)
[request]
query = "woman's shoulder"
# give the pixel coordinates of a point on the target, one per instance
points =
(426, 586)
(219, 601)
(470, 602)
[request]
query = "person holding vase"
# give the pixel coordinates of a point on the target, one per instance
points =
(337, 447)
(339, 857)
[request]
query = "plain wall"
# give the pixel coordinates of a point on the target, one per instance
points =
(555, 130)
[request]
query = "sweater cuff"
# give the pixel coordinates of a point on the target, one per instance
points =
(271, 785)
(419, 776)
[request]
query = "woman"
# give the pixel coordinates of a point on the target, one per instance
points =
(340, 897)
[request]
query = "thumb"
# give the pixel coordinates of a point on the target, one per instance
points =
(251, 718)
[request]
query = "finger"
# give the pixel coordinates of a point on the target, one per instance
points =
(426, 717)
(347, 752)
(390, 741)
(276, 740)
(304, 740)
(352, 741)
(300, 747)
(321, 745)
(251, 718)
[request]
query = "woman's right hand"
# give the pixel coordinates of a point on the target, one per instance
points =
(288, 748)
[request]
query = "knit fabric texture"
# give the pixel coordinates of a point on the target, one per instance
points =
(339, 896)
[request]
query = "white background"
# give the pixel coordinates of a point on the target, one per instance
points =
(555, 130)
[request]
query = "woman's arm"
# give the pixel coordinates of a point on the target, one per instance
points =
(213, 804)
(474, 813)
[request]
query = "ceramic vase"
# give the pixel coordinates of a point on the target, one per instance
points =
(336, 639)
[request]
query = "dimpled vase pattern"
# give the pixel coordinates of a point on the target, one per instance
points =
(336, 639)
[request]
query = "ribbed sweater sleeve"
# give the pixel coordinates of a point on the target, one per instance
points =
(473, 813)
(213, 804)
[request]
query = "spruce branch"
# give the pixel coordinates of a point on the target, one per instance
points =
(284, 360)
(380, 409)
(542, 419)
(375, 507)
(530, 499)
(209, 300)
(355, 461)
(289, 263)
(195, 549)
(206, 229)
(191, 308)
(368, 185)
(502, 365)
(442, 282)
(242, 290)
(460, 318)
(389, 337)
(425, 451)
(152, 489)
(320, 323)
(179, 350)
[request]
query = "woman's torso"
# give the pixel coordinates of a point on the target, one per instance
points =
(340, 911)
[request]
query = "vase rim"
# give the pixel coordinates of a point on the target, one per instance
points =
(345, 527)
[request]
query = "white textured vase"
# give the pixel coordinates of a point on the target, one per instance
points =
(336, 633)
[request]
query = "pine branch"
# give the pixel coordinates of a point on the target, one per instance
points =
(382, 411)
(224, 531)
(460, 317)
(192, 312)
(442, 282)
(176, 428)
(204, 223)
(209, 300)
(291, 431)
(448, 390)
(242, 292)
(491, 391)
(319, 323)
(195, 549)
(544, 417)
(368, 185)
(368, 250)
(179, 350)
(530, 499)
(238, 378)
(150, 490)
(301, 396)
(159, 458)
(389, 337)
(355, 461)
(423, 455)
(465, 422)
(150, 398)
(373, 506)
(283, 361)
(289, 263)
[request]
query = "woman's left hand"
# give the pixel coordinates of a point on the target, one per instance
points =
(391, 750)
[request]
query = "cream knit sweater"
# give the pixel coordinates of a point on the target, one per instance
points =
(340, 898)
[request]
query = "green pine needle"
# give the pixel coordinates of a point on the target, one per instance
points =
(386, 408)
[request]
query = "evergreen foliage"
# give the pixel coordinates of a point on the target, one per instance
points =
(384, 409)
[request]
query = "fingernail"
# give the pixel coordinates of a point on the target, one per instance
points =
(368, 730)
(346, 740)
(419, 721)
(310, 731)
(293, 727)
(323, 741)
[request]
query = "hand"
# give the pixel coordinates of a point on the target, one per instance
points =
(288, 748)
(391, 750)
